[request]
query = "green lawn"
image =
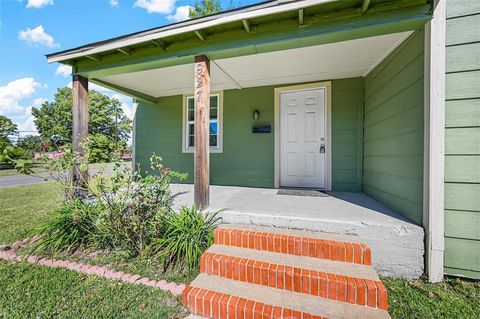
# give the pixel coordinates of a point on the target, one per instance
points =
(454, 298)
(24, 207)
(31, 291)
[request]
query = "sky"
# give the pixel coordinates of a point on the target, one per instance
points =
(29, 29)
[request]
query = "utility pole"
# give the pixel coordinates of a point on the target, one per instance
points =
(116, 129)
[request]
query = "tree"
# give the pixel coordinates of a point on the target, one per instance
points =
(205, 7)
(30, 144)
(7, 129)
(54, 121)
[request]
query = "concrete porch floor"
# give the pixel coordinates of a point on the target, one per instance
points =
(397, 243)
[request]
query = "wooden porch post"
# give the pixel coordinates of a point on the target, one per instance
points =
(202, 132)
(79, 131)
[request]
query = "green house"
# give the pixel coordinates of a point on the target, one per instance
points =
(378, 99)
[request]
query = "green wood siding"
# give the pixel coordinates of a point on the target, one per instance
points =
(347, 134)
(393, 132)
(462, 139)
(247, 158)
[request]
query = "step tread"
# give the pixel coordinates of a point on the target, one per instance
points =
(263, 239)
(310, 263)
(286, 299)
(295, 232)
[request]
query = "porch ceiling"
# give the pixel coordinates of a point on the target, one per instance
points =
(322, 62)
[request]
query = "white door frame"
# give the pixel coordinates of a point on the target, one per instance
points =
(327, 85)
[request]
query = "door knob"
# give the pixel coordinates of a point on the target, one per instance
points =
(322, 148)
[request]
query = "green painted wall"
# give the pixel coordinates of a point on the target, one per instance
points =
(393, 132)
(248, 159)
(462, 138)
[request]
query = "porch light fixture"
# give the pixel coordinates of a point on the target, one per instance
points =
(256, 114)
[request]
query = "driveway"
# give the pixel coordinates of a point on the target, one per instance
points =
(16, 180)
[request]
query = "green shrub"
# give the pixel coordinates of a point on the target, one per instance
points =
(133, 211)
(71, 227)
(185, 236)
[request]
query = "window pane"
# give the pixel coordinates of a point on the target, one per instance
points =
(213, 140)
(213, 107)
(213, 128)
(191, 111)
(213, 101)
(191, 141)
(213, 113)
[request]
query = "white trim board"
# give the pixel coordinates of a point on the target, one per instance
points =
(434, 143)
(327, 85)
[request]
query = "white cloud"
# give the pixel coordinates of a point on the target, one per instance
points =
(37, 36)
(13, 93)
(181, 14)
(157, 6)
(126, 104)
(101, 89)
(39, 3)
(63, 69)
(36, 103)
(27, 127)
(114, 3)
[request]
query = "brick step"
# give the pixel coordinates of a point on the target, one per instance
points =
(220, 298)
(295, 242)
(355, 284)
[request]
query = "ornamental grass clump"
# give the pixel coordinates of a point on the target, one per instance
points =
(69, 228)
(185, 236)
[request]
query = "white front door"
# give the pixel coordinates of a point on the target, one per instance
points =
(303, 138)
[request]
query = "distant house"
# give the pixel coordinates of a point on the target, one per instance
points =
(49, 155)
(380, 97)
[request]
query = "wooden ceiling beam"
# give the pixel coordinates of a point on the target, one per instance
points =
(246, 25)
(201, 35)
(160, 43)
(126, 51)
(94, 57)
(300, 17)
(365, 5)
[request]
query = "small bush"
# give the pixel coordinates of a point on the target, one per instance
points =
(133, 211)
(71, 227)
(185, 236)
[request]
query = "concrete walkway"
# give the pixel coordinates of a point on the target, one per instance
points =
(397, 243)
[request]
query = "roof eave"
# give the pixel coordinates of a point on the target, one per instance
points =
(180, 28)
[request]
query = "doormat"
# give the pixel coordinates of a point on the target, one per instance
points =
(302, 192)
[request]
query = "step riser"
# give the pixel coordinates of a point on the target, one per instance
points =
(295, 245)
(211, 304)
(345, 289)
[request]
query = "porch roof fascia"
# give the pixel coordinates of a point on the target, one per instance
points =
(254, 11)
(269, 38)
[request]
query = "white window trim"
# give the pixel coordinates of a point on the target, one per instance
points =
(219, 147)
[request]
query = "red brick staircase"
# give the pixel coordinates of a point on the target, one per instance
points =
(262, 272)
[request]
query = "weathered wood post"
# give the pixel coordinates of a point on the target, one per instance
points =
(202, 132)
(79, 131)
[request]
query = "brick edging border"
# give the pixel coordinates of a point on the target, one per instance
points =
(9, 253)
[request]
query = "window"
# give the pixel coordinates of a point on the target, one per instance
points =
(215, 123)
